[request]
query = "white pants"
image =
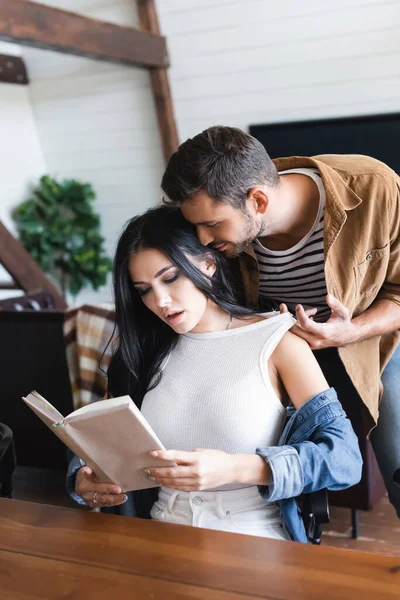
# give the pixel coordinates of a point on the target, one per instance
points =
(237, 511)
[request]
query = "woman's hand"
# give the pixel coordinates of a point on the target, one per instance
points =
(205, 469)
(95, 492)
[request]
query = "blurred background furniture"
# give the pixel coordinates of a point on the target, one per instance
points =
(88, 332)
(7, 461)
(35, 300)
(32, 356)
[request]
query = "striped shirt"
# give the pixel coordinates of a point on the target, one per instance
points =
(296, 276)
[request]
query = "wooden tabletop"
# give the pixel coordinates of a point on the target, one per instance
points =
(47, 552)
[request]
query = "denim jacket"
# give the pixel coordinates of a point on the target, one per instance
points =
(317, 449)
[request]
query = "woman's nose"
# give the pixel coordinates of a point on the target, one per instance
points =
(163, 300)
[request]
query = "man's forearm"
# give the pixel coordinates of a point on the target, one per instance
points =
(383, 316)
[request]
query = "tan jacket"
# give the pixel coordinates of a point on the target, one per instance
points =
(362, 255)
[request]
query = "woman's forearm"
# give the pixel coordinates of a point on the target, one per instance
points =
(250, 469)
(205, 469)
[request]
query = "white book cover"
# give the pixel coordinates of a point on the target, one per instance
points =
(111, 436)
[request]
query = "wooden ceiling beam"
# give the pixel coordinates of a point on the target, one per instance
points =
(32, 24)
(23, 269)
(160, 84)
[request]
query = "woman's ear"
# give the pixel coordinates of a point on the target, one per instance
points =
(208, 266)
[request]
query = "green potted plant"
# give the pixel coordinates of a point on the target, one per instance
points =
(60, 229)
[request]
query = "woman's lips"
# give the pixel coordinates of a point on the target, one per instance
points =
(175, 318)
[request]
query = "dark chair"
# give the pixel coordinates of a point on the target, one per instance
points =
(7, 461)
(315, 512)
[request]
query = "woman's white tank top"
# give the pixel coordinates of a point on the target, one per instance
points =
(215, 391)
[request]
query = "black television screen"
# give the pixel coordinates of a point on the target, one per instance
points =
(377, 136)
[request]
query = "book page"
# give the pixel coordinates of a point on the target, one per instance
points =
(35, 400)
(100, 406)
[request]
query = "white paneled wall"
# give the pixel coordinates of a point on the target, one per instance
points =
(257, 61)
(21, 158)
(97, 123)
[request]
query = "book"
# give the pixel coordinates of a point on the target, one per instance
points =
(111, 436)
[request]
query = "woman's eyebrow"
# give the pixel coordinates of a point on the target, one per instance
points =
(156, 275)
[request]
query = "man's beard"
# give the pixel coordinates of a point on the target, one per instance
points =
(253, 231)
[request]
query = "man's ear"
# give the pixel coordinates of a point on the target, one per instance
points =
(257, 201)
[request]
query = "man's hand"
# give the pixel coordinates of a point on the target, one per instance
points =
(205, 469)
(311, 312)
(95, 492)
(337, 331)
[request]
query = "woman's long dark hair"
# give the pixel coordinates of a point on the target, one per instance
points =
(144, 340)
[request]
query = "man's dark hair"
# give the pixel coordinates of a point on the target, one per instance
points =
(224, 162)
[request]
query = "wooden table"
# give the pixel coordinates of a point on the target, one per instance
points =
(47, 552)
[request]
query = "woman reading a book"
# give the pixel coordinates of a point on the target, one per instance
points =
(213, 379)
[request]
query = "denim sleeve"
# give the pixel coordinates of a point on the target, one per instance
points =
(329, 458)
(287, 479)
(74, 466)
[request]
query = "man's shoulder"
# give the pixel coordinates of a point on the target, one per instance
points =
(355, 164)
(351, 175)
(346, 165)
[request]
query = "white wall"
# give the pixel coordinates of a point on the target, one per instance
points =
(237, 62)
(21, 158)
(97, 123)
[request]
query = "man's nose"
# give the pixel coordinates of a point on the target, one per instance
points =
(204, 236)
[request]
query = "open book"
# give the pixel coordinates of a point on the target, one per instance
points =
(111, 436)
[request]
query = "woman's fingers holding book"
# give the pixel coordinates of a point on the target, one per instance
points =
(88, 481)
(178, 456)
(97, 500)
(96, 493)
(168, 476)
(200, 469)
